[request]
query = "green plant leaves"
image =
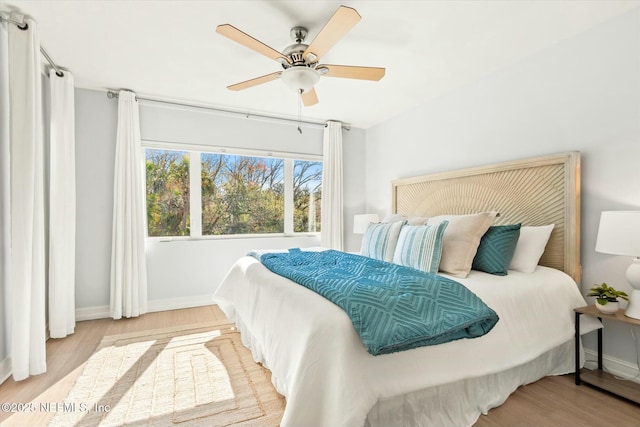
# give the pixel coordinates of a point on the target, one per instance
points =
(604, 293)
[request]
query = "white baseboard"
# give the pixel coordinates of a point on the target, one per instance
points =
(613, 365)
(178, 303)
(92, 313)
(5, 369)
(102, 312)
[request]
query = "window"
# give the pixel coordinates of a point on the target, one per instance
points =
(307, 195)
(242, 194)
(230, 194)
(167, 192)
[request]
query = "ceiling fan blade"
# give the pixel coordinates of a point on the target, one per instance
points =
(245, 39)
(340, 23)
(254, 82)
(352, 72)
(310, 97)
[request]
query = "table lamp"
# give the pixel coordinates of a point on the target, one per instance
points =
(619, 234)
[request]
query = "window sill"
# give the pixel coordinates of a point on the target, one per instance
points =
(163, 239)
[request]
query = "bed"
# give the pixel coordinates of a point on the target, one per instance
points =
(318, 361)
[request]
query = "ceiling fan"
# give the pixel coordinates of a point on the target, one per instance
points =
(300, 61)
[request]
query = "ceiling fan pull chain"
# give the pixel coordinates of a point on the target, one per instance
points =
(300, 110)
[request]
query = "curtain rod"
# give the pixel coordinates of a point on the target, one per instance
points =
(24, 26)
(111, 94)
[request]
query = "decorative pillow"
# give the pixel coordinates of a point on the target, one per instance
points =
(420, 246)
(496, 249)
(530, 248)
(380, 240)
(461, 240)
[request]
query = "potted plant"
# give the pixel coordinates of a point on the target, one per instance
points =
(607, 298)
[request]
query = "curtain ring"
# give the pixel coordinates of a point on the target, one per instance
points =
(24, 26)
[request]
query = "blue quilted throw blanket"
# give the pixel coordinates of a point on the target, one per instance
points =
(392, 307)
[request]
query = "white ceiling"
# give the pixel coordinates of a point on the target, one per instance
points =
(170, 50)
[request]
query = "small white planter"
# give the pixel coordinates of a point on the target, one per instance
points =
(609, 307)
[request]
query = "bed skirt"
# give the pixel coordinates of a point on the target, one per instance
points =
(448, 405)
(461, 403)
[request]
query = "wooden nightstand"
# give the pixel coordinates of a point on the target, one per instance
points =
(597, 377)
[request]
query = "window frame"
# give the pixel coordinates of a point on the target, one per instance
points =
(195, 188)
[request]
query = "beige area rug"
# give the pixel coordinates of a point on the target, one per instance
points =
(187, 377)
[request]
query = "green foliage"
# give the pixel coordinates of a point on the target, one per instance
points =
(307, 196)
(167, 193)
(240, 194)
(605, 293)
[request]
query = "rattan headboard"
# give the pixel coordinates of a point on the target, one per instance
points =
(536, 191)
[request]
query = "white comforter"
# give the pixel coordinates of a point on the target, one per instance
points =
(320, 365)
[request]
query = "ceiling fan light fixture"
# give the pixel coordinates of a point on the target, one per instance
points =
(299, 61)
(300, 78)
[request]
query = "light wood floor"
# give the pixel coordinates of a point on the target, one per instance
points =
(552, 401)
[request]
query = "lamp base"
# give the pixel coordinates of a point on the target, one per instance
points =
(633, 276)
(633, 309)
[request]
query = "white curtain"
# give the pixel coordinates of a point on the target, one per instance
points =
(62, 206)
(27, 265)
(5, 221)
(128, 265)
(331, 221)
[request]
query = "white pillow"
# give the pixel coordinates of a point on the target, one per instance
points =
(530, 248)
(461, 239)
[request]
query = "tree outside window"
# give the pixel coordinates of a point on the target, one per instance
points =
(307, 195)
(167, 192)
(242, 194)
(239, 194)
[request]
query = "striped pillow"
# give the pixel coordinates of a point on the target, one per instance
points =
(420, 246)
(380, 240)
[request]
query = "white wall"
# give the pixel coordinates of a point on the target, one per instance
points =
(581, 94)
(96, 121)
(181, 273)
(353, 149)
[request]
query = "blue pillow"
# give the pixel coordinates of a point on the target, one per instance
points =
(380, 240)
(420, 246)
(496, 249)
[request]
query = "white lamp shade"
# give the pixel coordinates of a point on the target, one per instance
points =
(361, 222)
(619, 233)
(300, 78)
